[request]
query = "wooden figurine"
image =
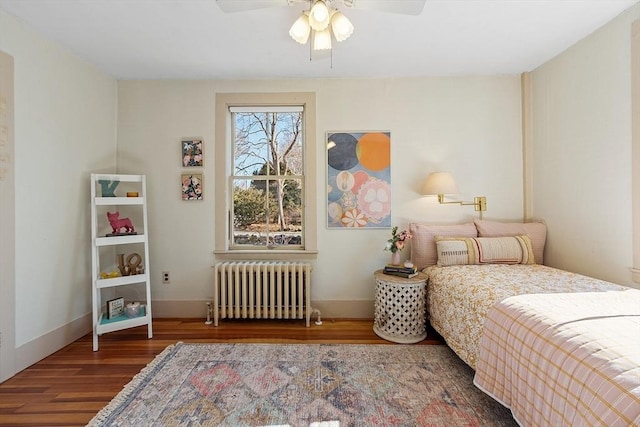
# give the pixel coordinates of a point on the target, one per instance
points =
(131, 266)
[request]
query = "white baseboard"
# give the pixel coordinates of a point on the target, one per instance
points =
(341, 309)
(36, 350)
(41, 347)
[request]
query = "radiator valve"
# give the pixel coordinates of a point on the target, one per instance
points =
(318, 319)
(209, 310)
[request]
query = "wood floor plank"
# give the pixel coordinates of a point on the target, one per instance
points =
(67, 420)
(83, 396)
(60, 407)
(24, 398)
(69, 387)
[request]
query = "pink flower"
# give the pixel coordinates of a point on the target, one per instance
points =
(396, 242)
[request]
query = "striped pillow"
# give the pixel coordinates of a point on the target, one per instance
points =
(484, 250)
(423, 245)
(537, 232)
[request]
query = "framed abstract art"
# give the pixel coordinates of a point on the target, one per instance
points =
(192, 184)
(359, 179)
(192, 153)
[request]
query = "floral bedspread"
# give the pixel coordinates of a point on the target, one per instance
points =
(459, 297)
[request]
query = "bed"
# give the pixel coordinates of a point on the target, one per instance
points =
(555, 347)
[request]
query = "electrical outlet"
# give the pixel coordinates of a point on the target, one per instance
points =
(165, 277)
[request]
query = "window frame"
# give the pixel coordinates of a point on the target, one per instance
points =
(635, 147)
(224, 173)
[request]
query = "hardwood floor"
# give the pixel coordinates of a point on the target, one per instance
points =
(69, 387)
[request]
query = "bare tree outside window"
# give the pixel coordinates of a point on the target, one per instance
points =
(268, 178)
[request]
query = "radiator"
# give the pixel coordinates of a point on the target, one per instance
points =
(262, 290)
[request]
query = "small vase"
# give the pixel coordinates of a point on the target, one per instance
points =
(395, 258)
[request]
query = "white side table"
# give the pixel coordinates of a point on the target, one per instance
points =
(400, 308)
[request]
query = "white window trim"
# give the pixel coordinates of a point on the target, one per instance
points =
(635, 146)
(225, 101)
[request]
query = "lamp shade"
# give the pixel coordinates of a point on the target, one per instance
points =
(439, 183)
(322, 40)
(300, 29)
(341, 26)
(319, 16)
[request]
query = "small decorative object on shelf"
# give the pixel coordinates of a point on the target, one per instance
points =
(109, 275)
(108, 188)
(115, 308)
(132, 309)
(118, 224)
(131, 265)
(132, 194)
(396, 243)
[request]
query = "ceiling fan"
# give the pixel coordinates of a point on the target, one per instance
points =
(405, 7)
(323, 19)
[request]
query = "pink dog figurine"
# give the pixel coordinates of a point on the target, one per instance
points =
(118, 223)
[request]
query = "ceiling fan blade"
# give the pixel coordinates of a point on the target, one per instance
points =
(230, 6)
(405, 7)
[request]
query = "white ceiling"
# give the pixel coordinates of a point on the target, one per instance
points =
(194, 39)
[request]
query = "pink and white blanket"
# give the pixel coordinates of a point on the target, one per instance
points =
(568, 359)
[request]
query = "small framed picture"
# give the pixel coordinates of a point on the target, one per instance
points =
(192, 153)
(192, 186)
(115, 308)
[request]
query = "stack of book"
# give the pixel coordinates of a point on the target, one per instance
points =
(400, 271)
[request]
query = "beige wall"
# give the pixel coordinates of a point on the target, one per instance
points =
(7, 219)
(67, 116)
(469, 126)
(65, 128)
(581, 155)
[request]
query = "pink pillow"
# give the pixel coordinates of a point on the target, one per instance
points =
(537, 232)
(423, 245)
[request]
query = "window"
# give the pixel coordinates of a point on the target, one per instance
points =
(267, 181)
(265, 168)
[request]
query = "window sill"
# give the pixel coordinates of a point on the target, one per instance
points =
(268, 254)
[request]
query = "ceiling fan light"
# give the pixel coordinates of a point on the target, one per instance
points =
(341, 26)
(300, 29)
(322, 40)
(319, 16)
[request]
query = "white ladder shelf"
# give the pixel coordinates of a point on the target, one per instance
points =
(99, 205)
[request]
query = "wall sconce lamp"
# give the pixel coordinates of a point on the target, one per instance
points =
(441, 183)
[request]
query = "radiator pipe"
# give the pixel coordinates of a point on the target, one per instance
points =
(318, 320)
(209, 310)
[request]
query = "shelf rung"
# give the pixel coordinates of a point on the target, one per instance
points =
(119, 240)
(121, 280)
(117, 177)
(115, 201)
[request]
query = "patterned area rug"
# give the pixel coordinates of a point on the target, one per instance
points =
(302, 385)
